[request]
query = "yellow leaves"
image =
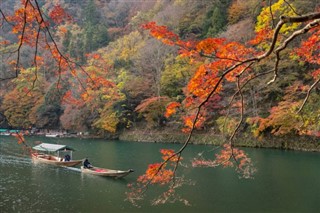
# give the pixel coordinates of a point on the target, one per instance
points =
(108, 121)
(125, 48)
(264, 20)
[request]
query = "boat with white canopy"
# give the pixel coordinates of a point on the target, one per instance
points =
(44, 154)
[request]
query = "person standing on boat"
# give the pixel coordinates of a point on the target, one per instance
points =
(87, 164)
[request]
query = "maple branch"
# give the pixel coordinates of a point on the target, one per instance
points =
(308, 94)
(5, 18)
(242, 86)
(35, 61)
(283, 20)
(68, 60)
(175, 169)
(242, 109)
(248, 62)
(21, 39)
(216, 57)
(296, 33)
(59, 76)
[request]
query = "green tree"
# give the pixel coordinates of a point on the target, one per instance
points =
(95, 34)
(216, 19)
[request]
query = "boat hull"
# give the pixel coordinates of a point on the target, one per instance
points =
(53, 160)
(105, 172)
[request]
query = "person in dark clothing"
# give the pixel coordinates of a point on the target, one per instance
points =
(67, 158)
(87, 164)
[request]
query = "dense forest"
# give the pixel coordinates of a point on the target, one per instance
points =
(119, 78)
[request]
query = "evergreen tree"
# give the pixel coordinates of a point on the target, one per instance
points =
(216, 19)
(95, 34)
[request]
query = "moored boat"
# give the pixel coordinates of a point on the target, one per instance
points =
(44, 155)
(52, 135)
(106, 172)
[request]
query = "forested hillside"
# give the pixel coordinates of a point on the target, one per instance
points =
(118, 77)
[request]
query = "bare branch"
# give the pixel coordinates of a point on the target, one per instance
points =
(5, 18)
(296, 33)
(21, 39)
(270, 8)
(308, 95)
(292, 8)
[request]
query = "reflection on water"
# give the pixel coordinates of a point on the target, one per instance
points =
(285, 182)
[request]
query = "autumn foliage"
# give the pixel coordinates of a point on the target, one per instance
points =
(226, 61)
(212, 83)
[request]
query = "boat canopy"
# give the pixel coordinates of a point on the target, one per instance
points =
(47, 147)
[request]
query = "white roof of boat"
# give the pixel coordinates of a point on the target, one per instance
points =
(47, 147)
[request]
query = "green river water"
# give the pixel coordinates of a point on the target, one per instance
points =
(286, 181)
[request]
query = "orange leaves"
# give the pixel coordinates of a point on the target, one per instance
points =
(158, 173)
(31, 26)
(162, 33)
(189, 122)
(210, 46)
(68, 98)
(4, 42)
(261, 37)
(205, 79)
(284, 119)
(169, 154)
(237, 155)
(309, 51)
(156, 176)
(316, 74)
(58, 14)
(171, 109)
(221, 55)
(101, 82)
(153, 109)
(19, 136)
(229, 157)
(96, 56)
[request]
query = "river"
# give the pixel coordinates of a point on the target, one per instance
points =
(286, 181)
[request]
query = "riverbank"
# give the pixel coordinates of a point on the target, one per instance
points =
(301, 143)
(175, 136)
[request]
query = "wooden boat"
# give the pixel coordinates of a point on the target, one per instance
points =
(105, 172)
(45, 155)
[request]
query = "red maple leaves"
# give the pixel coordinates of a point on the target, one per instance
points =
(309, 51)
(161, 173)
